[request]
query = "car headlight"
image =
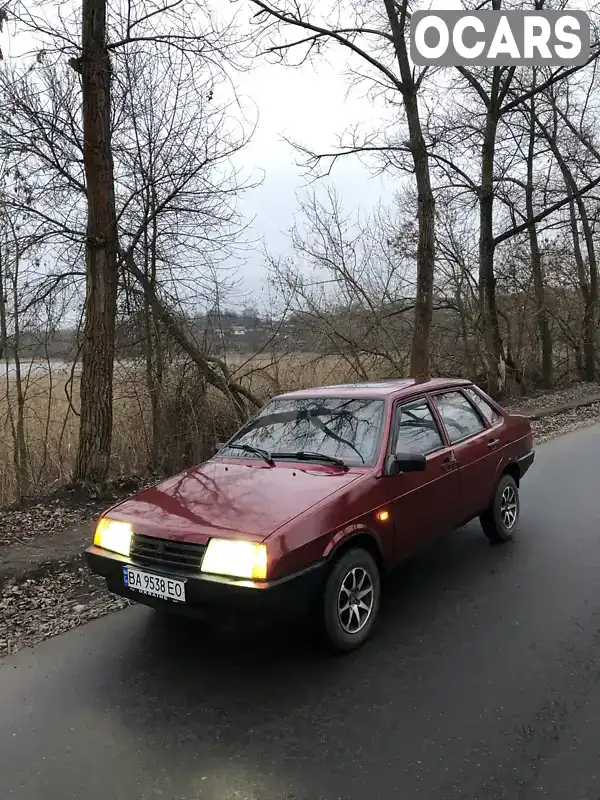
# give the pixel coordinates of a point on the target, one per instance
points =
(236, 558)
(113, 535)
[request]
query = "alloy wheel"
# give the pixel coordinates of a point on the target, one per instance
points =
(355, 600)
(508, 507)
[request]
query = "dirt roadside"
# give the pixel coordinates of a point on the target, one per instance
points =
(24, 559)
(46, 589)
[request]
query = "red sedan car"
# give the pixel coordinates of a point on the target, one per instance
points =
(315, 498)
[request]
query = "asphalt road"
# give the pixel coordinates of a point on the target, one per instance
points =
(483, 681)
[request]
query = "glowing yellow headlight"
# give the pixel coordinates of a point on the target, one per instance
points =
(113, 535)
(236, 558)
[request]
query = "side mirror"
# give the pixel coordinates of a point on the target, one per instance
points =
(218, 446)
(405, 462)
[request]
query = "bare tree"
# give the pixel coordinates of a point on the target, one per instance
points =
(174, 27)
(112, 38)
(176, 191)
(351, 281)
(375, 33)
(101, 251)
(578, 218)
(17, 247)
(483, 121)
(542, 316)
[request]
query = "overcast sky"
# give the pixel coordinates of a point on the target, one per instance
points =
(311, 107)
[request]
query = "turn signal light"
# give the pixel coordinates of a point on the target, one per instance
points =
(383, 515)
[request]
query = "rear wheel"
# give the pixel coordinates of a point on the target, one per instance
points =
(501, 518)
(350, 601)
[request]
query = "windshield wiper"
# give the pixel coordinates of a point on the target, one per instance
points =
(257, 451)
(306, 455)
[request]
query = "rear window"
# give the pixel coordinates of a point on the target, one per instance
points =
(488, 411)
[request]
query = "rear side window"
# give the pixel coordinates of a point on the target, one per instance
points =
(488, 411)
(458, 415)
(416, 429)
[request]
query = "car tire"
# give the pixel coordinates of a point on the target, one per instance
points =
(500, 520)
(350, 601)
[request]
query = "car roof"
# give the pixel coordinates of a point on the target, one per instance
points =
(400, 387)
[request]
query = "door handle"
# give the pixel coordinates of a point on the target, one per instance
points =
(449, 463)
(493, 442)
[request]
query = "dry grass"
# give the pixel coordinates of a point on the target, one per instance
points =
(272, 375)
(192, 418)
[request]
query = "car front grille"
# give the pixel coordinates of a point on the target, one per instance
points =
(156, 552)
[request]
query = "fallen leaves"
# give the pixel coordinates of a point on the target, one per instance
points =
(568, 421)
(545, 399)
(25, 524)
(64, 509)
(65, 596)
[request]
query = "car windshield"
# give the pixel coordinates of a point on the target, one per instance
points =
(331, 427)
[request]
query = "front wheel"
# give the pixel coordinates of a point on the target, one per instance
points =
(501, 518)
(350, 601)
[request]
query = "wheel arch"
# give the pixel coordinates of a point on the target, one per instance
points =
(364, 539)
(513, 470)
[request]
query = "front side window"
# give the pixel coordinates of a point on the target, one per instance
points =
(416, 430)
(343, 428)
(488, 411)
(458, 415)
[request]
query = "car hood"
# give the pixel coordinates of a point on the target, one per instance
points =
(230, 499)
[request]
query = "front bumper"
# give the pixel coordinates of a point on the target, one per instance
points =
(208, 595)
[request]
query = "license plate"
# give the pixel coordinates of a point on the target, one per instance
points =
(154, 585)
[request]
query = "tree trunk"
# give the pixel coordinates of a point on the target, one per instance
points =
(588, 288)
(543, 322)
(219, 378)
(95, 430)
(3, 299)
(589, 344)
(20, 457)
(421, 341)
(589, 314)
(587, 367)
(154, 354)
(496, 362)
(20, 446)
(467, 357)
